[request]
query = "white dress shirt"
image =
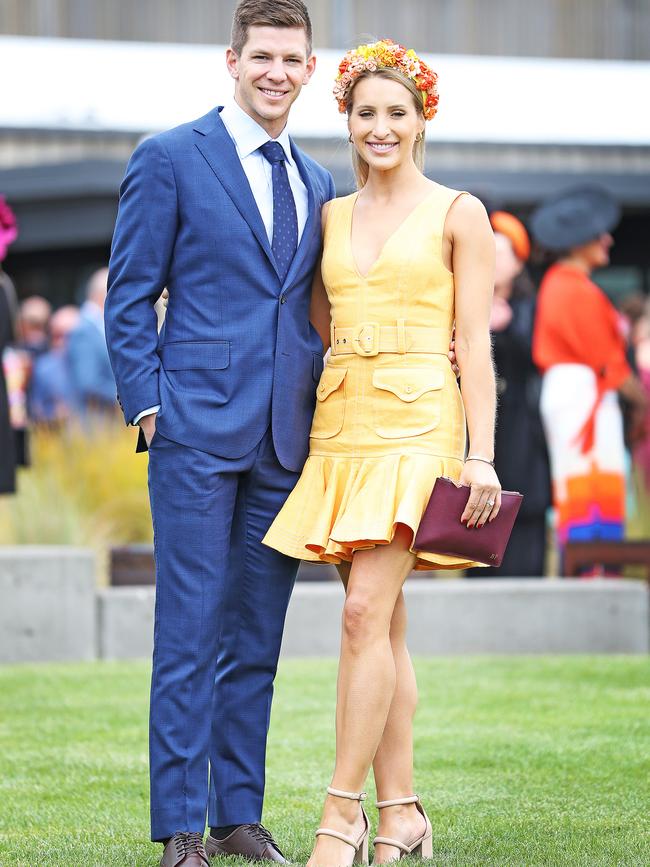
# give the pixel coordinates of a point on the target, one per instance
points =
(248, 137)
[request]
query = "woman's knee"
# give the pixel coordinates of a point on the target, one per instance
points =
(363, 620)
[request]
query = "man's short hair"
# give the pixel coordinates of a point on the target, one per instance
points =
(261, 13)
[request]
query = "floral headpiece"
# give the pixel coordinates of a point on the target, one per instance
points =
(8, 227)
(387, 54)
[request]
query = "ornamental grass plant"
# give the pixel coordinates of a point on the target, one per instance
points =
(84, 488)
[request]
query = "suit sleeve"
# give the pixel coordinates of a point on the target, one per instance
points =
(143, 242)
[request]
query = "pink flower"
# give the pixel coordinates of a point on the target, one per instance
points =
(8, 227)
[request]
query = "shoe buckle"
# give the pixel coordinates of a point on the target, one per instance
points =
(365, 339)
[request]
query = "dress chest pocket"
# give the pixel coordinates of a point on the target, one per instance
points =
(330, 403)
(407, 401)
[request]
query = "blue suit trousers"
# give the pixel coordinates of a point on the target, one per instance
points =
(221, 601)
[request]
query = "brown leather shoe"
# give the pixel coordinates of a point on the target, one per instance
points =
(186, 850)
(252, 841)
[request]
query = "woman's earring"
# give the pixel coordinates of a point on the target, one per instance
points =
(350, 137)
(419, 136)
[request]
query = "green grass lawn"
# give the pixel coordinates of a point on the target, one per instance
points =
(519, 761)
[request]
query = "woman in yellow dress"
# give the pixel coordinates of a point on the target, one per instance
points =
(404, 259)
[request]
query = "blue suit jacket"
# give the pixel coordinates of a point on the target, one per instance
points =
(237, 351)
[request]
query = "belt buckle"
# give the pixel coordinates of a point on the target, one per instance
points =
(365, 339)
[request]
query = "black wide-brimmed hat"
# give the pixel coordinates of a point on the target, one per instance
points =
(574, 217)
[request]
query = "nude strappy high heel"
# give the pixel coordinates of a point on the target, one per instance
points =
(360, 845)
(423, 846)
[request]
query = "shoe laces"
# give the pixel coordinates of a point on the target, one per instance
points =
(188, 843)
(259, 832)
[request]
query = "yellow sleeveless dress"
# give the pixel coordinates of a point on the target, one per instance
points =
(386, 425)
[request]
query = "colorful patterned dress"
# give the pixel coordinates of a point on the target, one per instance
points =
(579, 347)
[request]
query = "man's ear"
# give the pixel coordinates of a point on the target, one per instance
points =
(232, 62)
(309, 70)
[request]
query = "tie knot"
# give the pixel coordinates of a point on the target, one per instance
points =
(273, 152)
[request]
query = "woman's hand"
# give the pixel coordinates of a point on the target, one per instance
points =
(485, 495)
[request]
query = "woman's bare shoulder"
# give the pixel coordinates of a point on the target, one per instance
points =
(466, 212)
(328, 207)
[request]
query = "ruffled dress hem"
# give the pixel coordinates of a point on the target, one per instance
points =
(343, 505)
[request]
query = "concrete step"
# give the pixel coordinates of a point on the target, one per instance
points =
(445, 617)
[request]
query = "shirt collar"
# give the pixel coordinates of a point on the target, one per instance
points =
(247, 134)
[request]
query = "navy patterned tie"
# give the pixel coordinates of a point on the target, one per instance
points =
(285, 219)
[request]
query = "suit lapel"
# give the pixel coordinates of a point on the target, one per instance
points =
(312, 221)
(219, 152)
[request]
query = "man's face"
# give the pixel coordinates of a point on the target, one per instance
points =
(269, 74)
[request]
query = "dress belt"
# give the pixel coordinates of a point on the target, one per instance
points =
(371, 338)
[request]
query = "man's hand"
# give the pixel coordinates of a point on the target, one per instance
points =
(165, 298)
(148, 425)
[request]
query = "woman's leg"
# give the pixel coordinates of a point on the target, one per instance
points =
(366, 684)
(393, 763)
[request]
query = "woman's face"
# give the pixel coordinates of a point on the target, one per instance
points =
(595, 254)
(383, 122)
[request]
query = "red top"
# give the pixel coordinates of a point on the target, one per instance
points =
(576, 323)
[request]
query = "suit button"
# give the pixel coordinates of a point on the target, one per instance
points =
(283, 299)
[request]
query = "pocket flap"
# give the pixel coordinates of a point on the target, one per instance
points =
(408, 384)
(331, 379)
(193, 355)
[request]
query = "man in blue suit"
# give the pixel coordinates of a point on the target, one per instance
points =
(225, 213)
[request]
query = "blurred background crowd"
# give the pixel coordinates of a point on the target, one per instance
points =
(568, 197)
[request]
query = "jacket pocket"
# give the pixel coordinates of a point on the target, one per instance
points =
(191, 365)
(330, 403)
(195, 355)
(407, 401)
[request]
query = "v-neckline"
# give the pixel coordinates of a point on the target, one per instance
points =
(388, 239)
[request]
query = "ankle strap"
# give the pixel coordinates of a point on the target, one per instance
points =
(352, 796)
(411, 799)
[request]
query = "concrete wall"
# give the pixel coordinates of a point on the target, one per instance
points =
(445, 617)
(51, 610)
(125, 622)
(47, 604)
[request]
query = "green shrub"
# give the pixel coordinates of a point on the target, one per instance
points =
(83, 488)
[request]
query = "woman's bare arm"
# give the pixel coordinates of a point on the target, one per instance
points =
(473, 266)
(320, 313)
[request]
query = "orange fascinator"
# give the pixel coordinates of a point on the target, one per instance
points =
(508, 225)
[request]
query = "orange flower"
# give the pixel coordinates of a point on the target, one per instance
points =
(386, 54)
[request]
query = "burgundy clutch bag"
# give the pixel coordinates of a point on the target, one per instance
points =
(441, 532)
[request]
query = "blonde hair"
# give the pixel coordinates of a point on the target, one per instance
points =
(359, 165)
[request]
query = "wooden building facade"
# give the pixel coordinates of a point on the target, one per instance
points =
(599, 29)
